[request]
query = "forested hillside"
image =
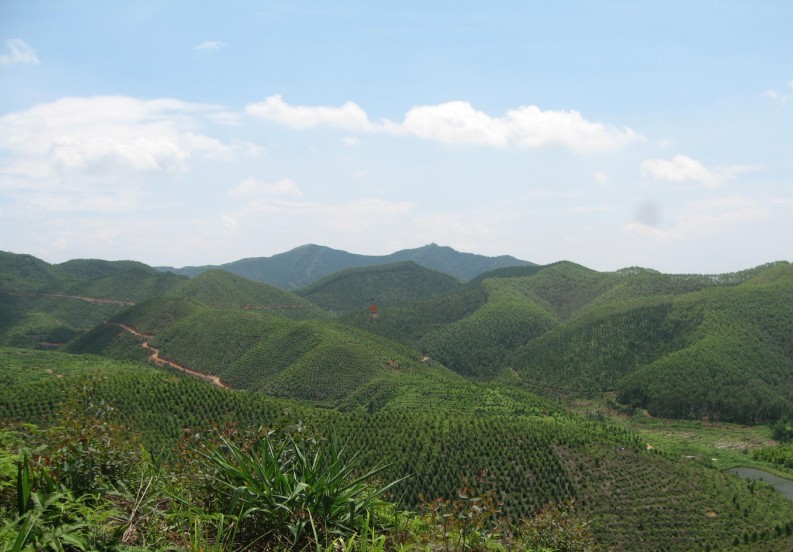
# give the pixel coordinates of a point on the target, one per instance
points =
(43, 305)
(443, 381)
(677, 345)
(306, 264)
(393, 283)
(260, 350)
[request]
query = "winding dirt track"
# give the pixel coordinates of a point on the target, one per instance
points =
(155, 352)
(160, 361)
(93, 300)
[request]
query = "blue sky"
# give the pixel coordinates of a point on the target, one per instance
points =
(612, 133)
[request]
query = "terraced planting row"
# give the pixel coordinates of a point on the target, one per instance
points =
(636, 499)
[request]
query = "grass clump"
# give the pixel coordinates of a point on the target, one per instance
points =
(285, 491)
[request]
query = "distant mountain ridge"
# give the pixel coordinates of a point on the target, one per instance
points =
(306, 264)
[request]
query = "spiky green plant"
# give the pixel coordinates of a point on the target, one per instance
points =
(293, 493)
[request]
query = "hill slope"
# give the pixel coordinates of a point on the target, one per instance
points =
(636, 499)
(358, 288)
(306, 264)
(325, 363)
(218, 288)
(696, 346)
(44, 305)
(722, 352)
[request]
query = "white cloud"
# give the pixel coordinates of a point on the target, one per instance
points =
(684, 169)
(228, 118)
(209, 46)
(251, 188)
(781, 96)
(18, 51)
(351, 141)
(532, 127)
(348, 117)
(103, 154)
(71, 202)
(680, 169)
(98, 135)
(457, 122)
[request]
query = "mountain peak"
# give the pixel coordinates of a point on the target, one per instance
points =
(308, 263)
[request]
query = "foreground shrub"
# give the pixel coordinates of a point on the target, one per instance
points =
(559, 528)
(287, 492)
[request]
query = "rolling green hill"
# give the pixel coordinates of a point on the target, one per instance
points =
(477, 345)
(20, 273)
(46, 305)
(358, 288)
(408, 322)
(306, 264)
(218, 288)
(677, 345)
(330, 364)
(720, 352)
(407, 386)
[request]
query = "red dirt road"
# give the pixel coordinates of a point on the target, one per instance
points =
(160, 361)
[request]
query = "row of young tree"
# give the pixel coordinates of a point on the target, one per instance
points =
(523, 461)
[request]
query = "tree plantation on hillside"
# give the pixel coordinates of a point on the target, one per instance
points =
(524, 460)
(450, 383)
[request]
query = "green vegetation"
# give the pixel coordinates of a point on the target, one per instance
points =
(526, 459)
(409, 321)
(477, 345)
(218, 288)
(358, 288)
(438, 387)
(305, 265)
(45, 306)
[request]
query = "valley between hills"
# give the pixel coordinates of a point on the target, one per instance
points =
(505, 400)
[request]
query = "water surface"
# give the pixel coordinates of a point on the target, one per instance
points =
(782, 485)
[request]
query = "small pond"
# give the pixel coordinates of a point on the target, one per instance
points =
(782, 485)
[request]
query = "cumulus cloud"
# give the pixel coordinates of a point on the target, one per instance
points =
(457, 122)
(101, 134)
(18, 51)
(683, 169)
(680, 169)
(527, 127)
(253, 188)
(348, 117)
(209, 46)
(103, 154)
